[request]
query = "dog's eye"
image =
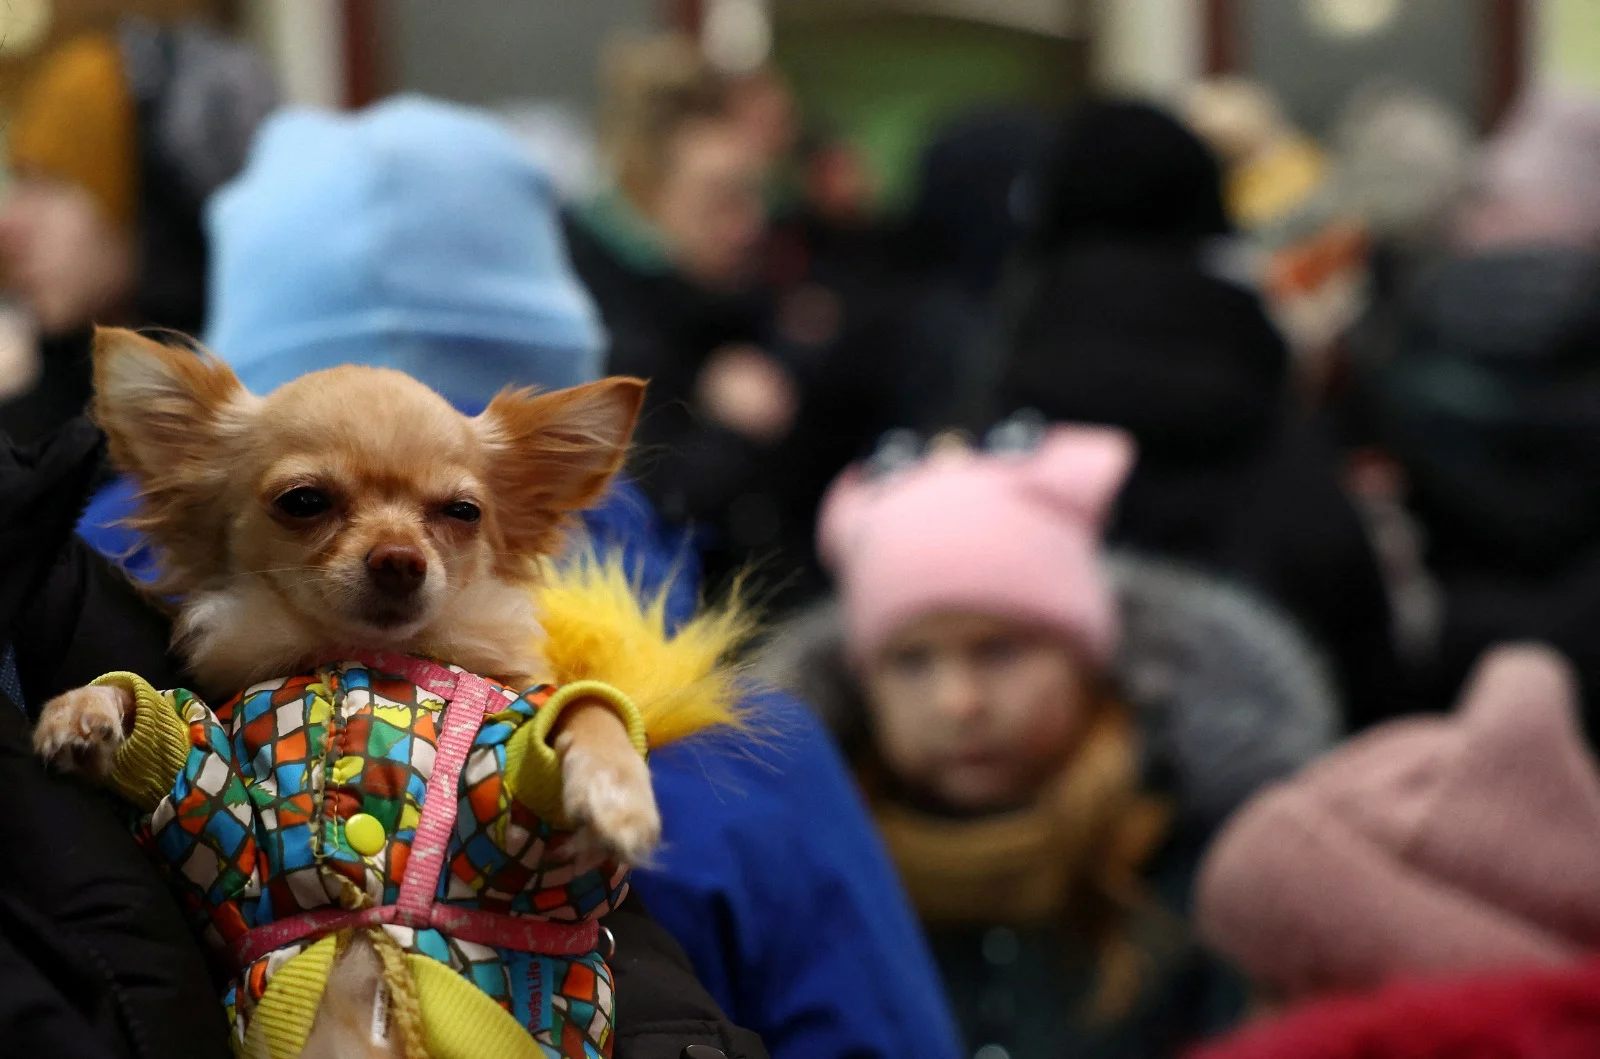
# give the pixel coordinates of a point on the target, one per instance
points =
(304, 502)
(463, 511)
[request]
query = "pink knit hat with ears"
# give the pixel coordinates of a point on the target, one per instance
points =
(1014, 535)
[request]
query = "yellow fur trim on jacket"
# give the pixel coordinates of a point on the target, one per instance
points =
(599, 626)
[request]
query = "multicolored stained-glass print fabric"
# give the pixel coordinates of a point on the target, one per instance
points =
(254, 831)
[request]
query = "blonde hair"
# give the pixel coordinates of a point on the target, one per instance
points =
(654, 87)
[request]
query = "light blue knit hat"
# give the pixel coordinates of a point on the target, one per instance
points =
(414, 235)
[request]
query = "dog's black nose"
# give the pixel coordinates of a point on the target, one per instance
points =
(397, 570)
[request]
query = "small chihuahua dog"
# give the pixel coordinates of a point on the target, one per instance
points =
(355, 508)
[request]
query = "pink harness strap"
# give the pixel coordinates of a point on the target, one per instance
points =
(520, 933)
(468, 697)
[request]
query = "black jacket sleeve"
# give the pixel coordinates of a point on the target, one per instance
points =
(663, 1012)
(86, 620)
(95, 957)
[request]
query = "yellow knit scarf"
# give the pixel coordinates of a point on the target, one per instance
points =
(1073, 858)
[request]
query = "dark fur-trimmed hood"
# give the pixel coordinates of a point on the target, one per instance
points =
(1228, 693)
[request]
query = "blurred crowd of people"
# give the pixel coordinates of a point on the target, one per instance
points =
(1179, 537)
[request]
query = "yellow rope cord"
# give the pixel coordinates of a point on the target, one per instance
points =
(405, 1013)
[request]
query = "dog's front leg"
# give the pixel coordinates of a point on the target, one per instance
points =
(81, 730)
(605, 785)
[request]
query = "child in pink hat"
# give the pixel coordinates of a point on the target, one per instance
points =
(1038, 782)
(977, 609)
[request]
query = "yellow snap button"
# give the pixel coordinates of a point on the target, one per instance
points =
(365, 834)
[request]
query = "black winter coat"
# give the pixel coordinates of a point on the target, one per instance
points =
(1490, 399)
(1142, 335)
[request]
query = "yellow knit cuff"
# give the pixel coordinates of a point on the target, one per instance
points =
(532, 766)
(150, 761)
(282, 1020)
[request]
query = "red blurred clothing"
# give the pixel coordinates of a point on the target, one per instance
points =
(1526, 1015)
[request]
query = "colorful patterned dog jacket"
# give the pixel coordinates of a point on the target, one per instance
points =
(383, 792)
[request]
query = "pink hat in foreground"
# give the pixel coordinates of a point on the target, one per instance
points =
(1015, 535)
(1426, 846)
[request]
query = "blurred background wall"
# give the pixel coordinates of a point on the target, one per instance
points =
(882, 75)
(306, 41)
(1568, 42)
(880, 71)
(489, 51)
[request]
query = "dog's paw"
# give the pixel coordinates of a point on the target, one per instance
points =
(608, 798)
(81, 730)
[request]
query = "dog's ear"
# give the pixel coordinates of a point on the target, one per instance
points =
(555, 453)
(162, 407)
(167, 411)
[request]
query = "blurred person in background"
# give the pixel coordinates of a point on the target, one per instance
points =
(1488, 408)
(1312, 256)
(961, 232)
(1426, 847)
(418, 236)
(1402, 161)
(1402, 164)
(839, 306)
(1537, 182)
(770, 352)
(1132, 313)
(763, 104)
(688, 171)
(670, 253)
(112, 150)
(1047, 748)
(1273, 170)
(1479, 387)
(826, 218)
